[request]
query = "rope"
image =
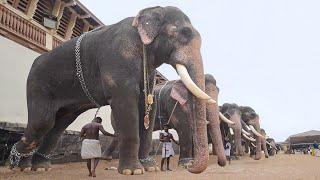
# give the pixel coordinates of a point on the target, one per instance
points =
(172, 112)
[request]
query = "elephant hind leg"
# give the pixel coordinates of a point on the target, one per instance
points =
(51, 139)
(41, 115)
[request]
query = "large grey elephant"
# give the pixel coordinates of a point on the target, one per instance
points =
(112, 64)
(232, 131)
(271, 146)
(251, 119)
(173, 105)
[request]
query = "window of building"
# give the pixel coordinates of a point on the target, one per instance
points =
(78, 28)
(44, 8)
(64, 22)
(21, 5)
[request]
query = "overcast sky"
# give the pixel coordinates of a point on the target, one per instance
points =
(265, 54)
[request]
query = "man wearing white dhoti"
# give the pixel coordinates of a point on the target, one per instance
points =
(91, 148)
(227, 150)
(167, 149)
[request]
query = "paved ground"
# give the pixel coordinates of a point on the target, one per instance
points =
(281, 166)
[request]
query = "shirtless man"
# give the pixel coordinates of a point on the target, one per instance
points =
(167, 149)
(91, 149)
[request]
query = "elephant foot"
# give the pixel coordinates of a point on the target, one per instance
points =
(149, 164)
(40, 163)
(185, 162)
(24, 164)
(257, 157)
(130, 168)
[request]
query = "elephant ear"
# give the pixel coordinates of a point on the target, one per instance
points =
(180, 93)
(148, 22)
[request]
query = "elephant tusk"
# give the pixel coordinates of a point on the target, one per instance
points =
(255, 131)
(226, 120)
(245, 132)
(253, 145)
(249, 138)
(191, 86)
(231, 131)
(207, 122)
(268, 143)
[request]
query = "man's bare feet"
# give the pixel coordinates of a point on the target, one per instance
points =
(94, 174)
(90, 175)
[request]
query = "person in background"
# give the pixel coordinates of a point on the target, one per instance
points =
(91, 148)
(227, 150)
(167, 149)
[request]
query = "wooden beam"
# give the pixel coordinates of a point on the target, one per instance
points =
(32, 8)
(71, 25)
(86, 26)
(57, 8)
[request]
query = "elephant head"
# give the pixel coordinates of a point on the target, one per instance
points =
(271, 146)
(169, 34)
(251, 118)
(232, 112)
(183, 119)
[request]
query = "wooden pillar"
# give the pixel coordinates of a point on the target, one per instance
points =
(32, 8)
(71, 25)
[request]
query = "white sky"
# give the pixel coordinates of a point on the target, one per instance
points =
(263, 53)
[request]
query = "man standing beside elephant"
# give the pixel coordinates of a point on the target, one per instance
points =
(167, 149)
(91, 149)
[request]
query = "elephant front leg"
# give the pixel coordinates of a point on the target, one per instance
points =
(125, 111)
(148, 162)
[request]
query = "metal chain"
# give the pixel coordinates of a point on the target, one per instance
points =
(15, 156)
(80, 72)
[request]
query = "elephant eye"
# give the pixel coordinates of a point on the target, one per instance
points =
(185, 34)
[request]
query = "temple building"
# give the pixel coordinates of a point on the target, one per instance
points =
(27, 29)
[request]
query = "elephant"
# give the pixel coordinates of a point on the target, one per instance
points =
(271, 146)
(232, 131)
(252, 122)
(174, 105)
(117, 61)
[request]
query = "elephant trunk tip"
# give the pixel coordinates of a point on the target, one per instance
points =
(200, 164)
(222, 162)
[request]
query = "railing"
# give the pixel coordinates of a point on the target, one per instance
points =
(15, 24)
(55, 42)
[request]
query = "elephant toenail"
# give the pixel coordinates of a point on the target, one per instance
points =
(151, 169)
(138, 171)
(126, 172)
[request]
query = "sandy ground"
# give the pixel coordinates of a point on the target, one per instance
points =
(281, 166)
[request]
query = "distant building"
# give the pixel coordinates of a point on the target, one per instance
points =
(27, 29)
(303, 139)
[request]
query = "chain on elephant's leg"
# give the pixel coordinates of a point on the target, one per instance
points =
(21, 153)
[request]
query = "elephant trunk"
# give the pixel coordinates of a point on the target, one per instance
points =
(214, 123)
(264, 145)
(199, 116)
(258, 141)
(237, 141)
